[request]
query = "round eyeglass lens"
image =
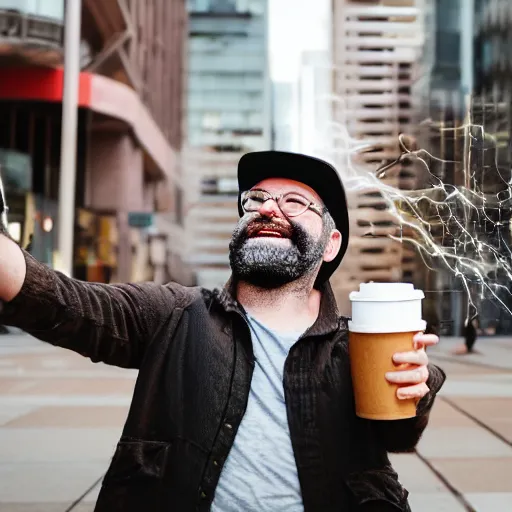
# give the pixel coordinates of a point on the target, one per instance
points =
(293, 204)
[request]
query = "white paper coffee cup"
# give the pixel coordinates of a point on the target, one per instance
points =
(386, 308)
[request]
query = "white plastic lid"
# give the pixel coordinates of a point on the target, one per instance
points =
(383, 327)
(386, 292)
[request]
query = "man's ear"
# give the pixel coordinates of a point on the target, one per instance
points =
(333, 246)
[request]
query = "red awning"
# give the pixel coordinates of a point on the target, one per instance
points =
(97, 93)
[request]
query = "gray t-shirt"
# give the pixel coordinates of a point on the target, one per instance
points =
(260, 474)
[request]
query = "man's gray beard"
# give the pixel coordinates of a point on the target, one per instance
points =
(267, 264)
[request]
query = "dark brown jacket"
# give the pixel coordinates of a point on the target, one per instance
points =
(194, 354)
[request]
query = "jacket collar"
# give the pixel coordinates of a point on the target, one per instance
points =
(328, 319)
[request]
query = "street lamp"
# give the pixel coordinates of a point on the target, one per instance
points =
(64, 257)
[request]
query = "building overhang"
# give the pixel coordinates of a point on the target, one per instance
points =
(101, 95)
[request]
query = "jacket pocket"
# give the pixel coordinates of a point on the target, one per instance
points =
(137, 461)
(377, 489)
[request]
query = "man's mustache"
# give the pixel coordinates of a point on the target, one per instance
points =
(262, 224)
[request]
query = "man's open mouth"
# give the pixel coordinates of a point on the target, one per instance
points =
(270, 231)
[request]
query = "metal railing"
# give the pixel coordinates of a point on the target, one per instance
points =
(28, 28)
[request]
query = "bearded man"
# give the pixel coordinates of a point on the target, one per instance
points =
(244, 398)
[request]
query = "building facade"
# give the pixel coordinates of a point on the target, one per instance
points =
(129, 196)
(375, 48)
(465, 93)
(228, 111)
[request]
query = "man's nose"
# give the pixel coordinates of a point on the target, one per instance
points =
(269, 209)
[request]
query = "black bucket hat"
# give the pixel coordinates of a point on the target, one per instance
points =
(317, 174)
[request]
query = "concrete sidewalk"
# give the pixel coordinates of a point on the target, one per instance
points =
(61, 416)
(60, 419)
(468, 444)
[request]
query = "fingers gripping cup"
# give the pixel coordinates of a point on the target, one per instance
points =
(385, 317)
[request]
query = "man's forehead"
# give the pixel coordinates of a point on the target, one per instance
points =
(284, 185)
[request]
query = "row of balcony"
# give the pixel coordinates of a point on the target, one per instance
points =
(33, 32)
(379, 11)
(413, 40)
(356, 99)
(363, 114)
(380, 70)
(32, 36)
(383, 126)
(29, 24)
(354, 56)
(377, 84)
(383, 28)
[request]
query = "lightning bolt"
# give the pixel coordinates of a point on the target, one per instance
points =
(463, 213)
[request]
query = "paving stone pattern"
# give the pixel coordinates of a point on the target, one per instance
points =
(61, 416)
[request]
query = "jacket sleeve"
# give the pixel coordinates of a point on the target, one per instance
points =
(403, 435)
(108, 323)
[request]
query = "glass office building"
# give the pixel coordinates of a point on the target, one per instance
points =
(228, 115)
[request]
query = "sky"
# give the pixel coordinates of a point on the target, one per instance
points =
(295, 26)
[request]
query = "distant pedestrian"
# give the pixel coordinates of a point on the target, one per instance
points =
(470, 336)
(470, 333)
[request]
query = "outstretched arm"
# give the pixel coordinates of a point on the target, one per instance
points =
(12, 267)
(108, 323)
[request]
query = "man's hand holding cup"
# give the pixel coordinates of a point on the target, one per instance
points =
(412, 377)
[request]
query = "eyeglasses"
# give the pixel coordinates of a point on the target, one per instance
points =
(291, 203)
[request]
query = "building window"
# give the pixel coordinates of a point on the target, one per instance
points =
(220, 186)
(211, 121)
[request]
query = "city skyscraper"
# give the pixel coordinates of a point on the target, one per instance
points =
(228, 108)
(375, 50)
